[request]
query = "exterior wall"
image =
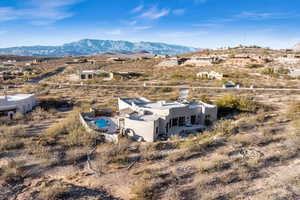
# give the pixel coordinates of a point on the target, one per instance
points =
(169, 63)
(288, 60)
(108, 137)
(199, 62)
(23, 106)
(26, 105)
(123, 105)
(145, 129)
(210, 112)
(295, 73)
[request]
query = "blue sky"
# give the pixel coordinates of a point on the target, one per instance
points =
(198, 23)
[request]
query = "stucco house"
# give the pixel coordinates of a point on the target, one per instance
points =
(11, 104)
(203, 60)
(210, 75)
(151, 121)
(89, 74)
(172, 62)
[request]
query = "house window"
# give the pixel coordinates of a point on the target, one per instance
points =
(193, 119)
(90, 76)
(181, 121)
(175, 122)
(82, 76)
(208, 120)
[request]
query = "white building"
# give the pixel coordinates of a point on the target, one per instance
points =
(203, 60)
(289, 59)
(11, 104)
(294, 72)
(172, 62)
(210, 75)
(153, 120)
(89, 74)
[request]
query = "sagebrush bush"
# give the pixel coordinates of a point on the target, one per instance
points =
(294, 110)
(12, 137)
(225, 127)
(54, 192)
(230, 103)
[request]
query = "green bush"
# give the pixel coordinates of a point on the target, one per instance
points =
(230, 103)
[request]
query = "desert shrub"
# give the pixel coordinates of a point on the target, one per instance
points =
(230, 103)
(11, 137)
(40, 114)
(54, 192)
(12, 172)
(143, 190)
(252, 66)
(152, 184)
(167, 90)
(294, 110)
(116, 153)
(205, 99)
(64, 127)
(283, 70)
(225, 127)
(178, 156)
(270, 71)
(79, 137)
(18, 116)
(216, 163)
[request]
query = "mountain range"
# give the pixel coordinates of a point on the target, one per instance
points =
(92, 47)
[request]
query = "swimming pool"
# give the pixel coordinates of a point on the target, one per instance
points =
(101, 123)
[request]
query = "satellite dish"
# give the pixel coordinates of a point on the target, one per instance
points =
(184, 94)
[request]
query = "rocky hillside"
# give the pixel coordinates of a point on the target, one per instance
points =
(90, 47)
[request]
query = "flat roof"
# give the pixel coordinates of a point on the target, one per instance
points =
(136, 101)
(17, 97)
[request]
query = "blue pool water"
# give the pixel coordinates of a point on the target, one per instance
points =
(101, 123)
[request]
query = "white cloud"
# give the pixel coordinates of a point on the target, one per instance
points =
(178, 11)
(263, 15)
(39, 12)
(155, 13)
(141, 28)
(137, 9)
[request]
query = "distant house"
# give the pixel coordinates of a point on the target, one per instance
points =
(172, 62)
(77, 61)
(289, 59)
(245, 59)
(89, 74)
(9, 63)
(118, 59)
(11, 104)
(210, 75)
(294, 72)
(155, 120)
(203, 60)
(161, 56)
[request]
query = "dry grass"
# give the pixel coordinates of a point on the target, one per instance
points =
(12, 137)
